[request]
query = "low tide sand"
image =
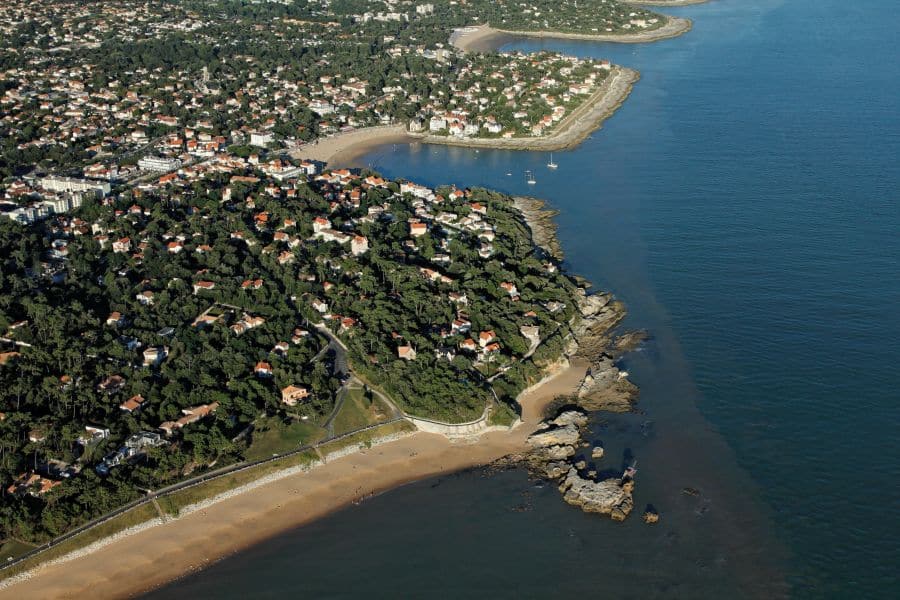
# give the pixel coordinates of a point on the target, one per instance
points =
(156, 555)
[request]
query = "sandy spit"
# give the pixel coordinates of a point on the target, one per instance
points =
(155, 553)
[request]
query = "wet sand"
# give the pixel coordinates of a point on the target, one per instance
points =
(156, 555)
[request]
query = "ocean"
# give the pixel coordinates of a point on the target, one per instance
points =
(743, 203)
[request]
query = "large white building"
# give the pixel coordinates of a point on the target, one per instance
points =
(261, 139)
(41, 210)
(157, 163)
(70, 184)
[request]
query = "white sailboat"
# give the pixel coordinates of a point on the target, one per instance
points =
(551, 164)
(529, 178)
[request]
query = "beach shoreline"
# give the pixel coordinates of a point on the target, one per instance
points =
(156, 553)
(344, 148)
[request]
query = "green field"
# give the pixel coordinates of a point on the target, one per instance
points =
(358, 412)
(274, 436)
(12, 549)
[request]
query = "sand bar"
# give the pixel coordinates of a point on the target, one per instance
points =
(155, 555)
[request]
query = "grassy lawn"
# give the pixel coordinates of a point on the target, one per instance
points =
(273, 436)
(135, 516)
(12, 549)
(173, 503)
(357, 412)
(502, 414)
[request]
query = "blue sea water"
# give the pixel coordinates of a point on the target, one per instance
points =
(744, 204)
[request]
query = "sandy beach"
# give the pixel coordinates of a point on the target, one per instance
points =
(485, 37)
(343, 148)
(158, 554)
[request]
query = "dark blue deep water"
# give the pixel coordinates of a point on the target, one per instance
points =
(744, 204)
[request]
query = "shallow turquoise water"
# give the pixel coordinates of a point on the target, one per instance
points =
(743, 203)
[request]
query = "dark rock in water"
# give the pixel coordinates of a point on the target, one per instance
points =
(561, 436)
(628, 342)
(607, 497)
(551, 456)
(689, 491)
(570, 417)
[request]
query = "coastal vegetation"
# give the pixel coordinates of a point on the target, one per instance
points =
(163, 324)
(174, 329)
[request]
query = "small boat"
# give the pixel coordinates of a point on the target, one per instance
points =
(509, 174)
(529, 178)
(551, 164)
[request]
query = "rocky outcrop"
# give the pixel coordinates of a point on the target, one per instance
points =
(628, 342)
(553, 456)
(540, 221)
(605, 387)
(567, 435)
(608, 497)
(570, 417)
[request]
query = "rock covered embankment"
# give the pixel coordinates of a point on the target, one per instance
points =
(553, 448)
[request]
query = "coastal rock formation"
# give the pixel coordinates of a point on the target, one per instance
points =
(552, 457)
(540, 221)
(605, 387)
(608, 497)
(561, 436)
(558, 452)
(651, 516)
(628, 342)
(570, 417)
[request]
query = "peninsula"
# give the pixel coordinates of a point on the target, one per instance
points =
(192, 306)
